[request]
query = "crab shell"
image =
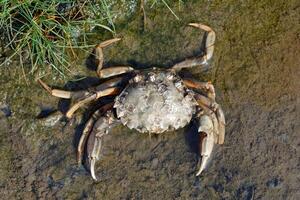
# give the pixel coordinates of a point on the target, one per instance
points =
(155, 102)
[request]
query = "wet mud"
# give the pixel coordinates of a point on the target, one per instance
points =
(255, 70)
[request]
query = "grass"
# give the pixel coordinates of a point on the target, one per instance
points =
(49, 31)
(166, 5)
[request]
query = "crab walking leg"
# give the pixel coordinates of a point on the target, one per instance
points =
(108, 72)
(208, 49)
(216, 108)
(210, 40)
(87, 129)
(55, 92)
(206, 140)
(111, 83)
(94, 143)
(203, 86)
(114, 71)
(99, 52)
(82, 94)
(75, 95)
(92, 97)
(191, 62)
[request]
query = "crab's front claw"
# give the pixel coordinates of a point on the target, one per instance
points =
(94, 147)
(94, 143)
(206, 131)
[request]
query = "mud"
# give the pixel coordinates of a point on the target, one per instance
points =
(255, 71)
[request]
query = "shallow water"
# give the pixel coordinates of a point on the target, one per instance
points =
(255, 70)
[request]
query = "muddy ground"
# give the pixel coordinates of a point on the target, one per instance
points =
(255, 70)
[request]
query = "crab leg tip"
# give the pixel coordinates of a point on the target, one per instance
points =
(192, 24)
(195, 25)
(108, 42)
(201, 26)
(45, 86)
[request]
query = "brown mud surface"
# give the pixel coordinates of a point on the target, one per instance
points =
(255, 70)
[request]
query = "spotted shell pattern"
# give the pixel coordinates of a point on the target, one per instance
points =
(155, 102)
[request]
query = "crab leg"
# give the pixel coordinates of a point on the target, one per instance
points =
(209, 38)
(94, 143)
(113, 71)
(208, 89)
(75, 95)
(87, 129)
(99, 52)
(99, 57)
(214, 120)
(203, 86)
(104, 89)
(205, 102)
(92, 97)
(55, 92)
(111, 83)
(206, 130)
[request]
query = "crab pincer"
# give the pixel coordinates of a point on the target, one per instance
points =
(101, 128)
(206, 131)
(216, 110)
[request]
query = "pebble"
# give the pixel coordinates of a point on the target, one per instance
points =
(246, 192)
(5, 110)
(52, 119)
(273, 183)
(154, 163)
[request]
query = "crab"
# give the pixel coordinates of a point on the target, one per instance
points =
(152, 100)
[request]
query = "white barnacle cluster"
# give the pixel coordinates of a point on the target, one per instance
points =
(155, 105)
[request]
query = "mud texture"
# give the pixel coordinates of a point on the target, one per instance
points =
(255, 70)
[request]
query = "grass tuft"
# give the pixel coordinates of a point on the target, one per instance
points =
(165, 3)
(45, 33)
(48, 30)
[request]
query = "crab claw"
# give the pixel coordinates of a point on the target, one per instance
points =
(94, 143)
(94, 147)
(206, 130)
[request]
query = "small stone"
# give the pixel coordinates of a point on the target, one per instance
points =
(52, 119)
(218, 187)
(154, 163)
(246, 192)
(273, 183)
(5, 110)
